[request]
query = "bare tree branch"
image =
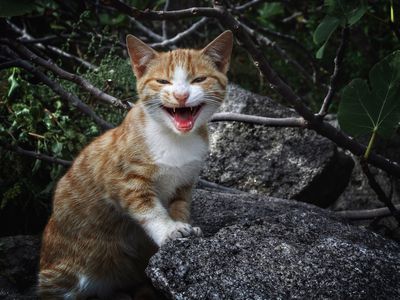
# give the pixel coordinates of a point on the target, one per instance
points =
(248, 4)
(146, 30)
(84, 84)
(182, 34)
(44, 39)
(202, 183)
(272, 122)
(394, 29)
(70, 98)
(164, 23)
(162, 15)
(288, 39)
(379, 191)
(335, 75)
(8, 64)
(26, 37)
(366, 213)
(267, 42)
(36, 155)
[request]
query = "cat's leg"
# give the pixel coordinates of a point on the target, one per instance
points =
(179, 210)
(137, 197)
(158, 224)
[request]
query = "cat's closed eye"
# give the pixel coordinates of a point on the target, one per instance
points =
(199, 79)
(163, 81)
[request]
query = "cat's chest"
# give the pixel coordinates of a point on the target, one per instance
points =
(169, 179)
(178, 160)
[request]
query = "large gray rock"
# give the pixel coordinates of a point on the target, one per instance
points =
(289, 163)
(19, 260)
(274, 249)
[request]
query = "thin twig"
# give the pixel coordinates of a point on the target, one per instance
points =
(162, 15)
(379, 191)
(164, 23)
(150, 33)
(395, 30)
(70, 98)
(8, 64)
(267, 42)
(36, 155)
(84, 84)
(182, 34)
(248, 4)
(335, 75)
(271, 122)
(202, 183)
(41, 40)
(288, 39)
(26, 36)
(366, 213)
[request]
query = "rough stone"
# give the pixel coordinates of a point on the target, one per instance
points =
(19, 259)
(288, 163)
(279, 250)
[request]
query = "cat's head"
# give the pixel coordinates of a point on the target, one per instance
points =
(181, 89)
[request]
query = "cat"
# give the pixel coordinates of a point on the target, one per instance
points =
(129, 191)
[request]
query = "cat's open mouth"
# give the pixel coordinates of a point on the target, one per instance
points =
(183, 117)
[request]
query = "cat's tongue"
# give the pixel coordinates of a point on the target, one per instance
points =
(183, 119)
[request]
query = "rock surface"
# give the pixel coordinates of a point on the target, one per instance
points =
(269, 248)
(288, 163)
(19, 259)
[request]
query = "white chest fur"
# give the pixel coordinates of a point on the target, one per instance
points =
(179, 158)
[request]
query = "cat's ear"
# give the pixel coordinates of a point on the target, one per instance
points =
(220, 49)
(140, 54)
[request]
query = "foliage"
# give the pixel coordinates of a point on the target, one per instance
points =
(36, 119)
(374, 110)
(340, 13)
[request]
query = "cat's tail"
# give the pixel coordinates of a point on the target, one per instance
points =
(54, 284)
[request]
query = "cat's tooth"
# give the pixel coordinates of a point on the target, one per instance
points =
(191, 109)
(174, 109)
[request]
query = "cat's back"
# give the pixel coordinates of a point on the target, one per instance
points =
(104, 160)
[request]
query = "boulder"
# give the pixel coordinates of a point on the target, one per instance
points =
(19, 260)
(258, 247)
(289, 163)
(254, 247)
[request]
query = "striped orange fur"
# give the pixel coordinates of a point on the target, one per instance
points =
(129, 191)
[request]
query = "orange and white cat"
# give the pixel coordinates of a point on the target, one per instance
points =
(129, 191)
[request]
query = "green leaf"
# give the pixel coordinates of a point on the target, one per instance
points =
(13, 83)
(325, 29)
(320, 52)
(375, 107)
(57, 148)
(11, 8)
(36, 166)
(338, 13)
(271, 9)
(355, 15)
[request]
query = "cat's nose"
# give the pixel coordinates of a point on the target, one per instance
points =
(181, 97)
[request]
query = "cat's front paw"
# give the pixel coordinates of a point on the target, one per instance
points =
(183, 230)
